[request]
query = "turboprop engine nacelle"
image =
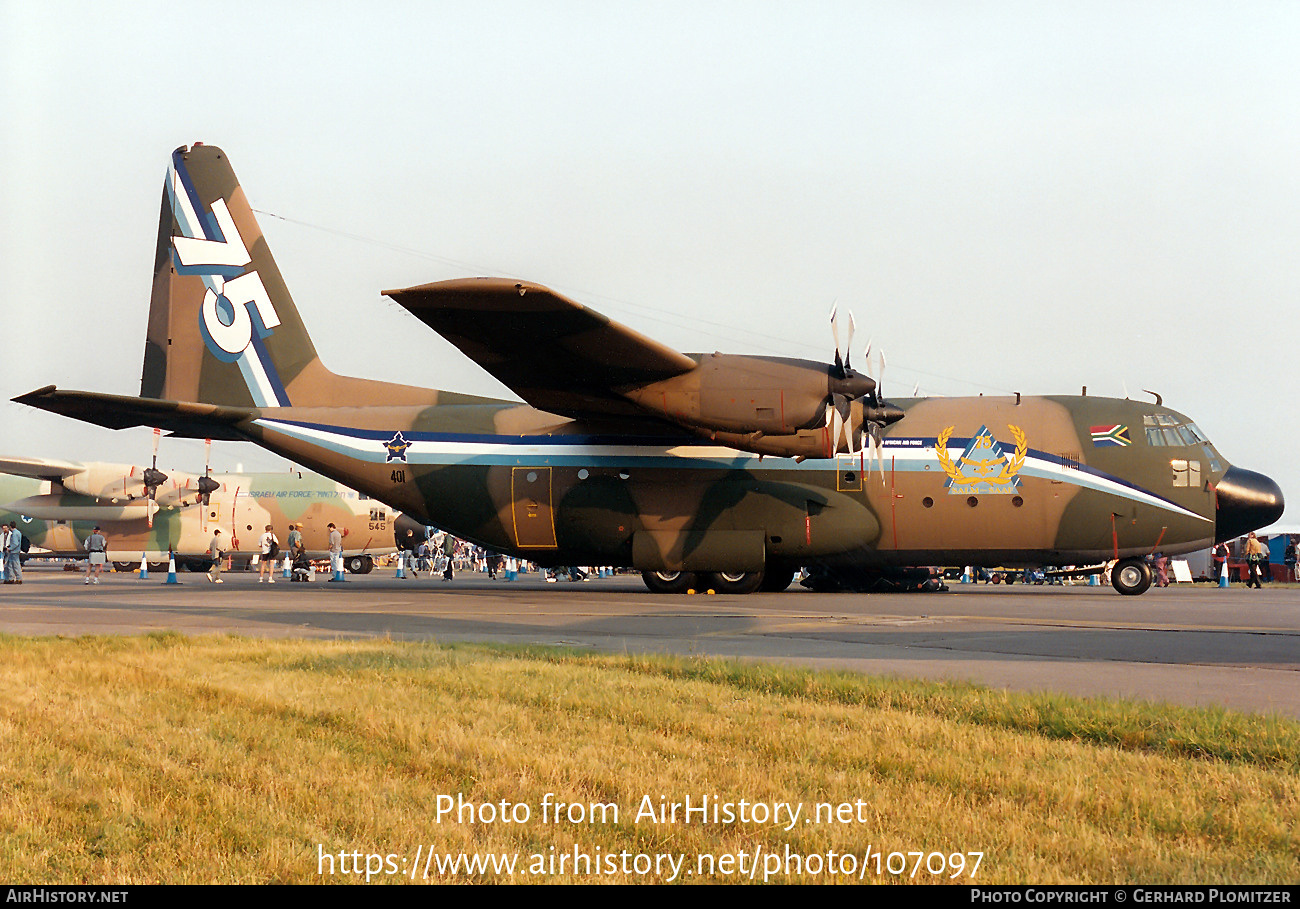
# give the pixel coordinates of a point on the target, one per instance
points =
(124, 483)
(114, 482)
(739, 394)
(769, 405)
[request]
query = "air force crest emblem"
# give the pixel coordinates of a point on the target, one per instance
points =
(396, 446)
(983, 468)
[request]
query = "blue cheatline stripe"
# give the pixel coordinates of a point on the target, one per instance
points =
(413, 435)
(433, 448)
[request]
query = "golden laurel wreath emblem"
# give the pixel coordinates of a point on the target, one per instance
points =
(1009, 468)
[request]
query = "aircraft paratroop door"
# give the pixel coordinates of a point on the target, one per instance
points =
(530, 496)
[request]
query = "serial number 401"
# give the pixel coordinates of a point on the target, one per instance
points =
(934, 863)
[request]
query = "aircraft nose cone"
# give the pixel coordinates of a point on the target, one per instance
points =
(1246, 501)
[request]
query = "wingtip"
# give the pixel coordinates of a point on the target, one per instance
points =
(32, 395)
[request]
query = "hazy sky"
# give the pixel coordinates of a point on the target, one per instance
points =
(1010, 196)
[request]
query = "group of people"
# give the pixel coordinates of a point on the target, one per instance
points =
(439, 552)
(269, 551)
(444, 554)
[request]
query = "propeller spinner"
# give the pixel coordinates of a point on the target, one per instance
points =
(206, 485)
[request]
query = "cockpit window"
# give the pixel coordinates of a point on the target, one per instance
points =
(1165, 430)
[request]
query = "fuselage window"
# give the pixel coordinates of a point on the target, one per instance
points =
(1186, 473)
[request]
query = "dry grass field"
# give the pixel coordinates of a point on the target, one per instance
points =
(166, 759)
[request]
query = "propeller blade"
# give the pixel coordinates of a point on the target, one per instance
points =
(848, 348)
(835, 333)
(844, 407)
(837, 423)
(206, 485)
(866, 359)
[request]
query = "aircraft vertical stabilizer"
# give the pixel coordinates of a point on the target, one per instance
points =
(223, 328)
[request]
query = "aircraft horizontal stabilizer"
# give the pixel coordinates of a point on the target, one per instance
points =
(188, 420)
(556, 354)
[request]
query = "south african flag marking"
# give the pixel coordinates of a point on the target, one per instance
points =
(1115, 436)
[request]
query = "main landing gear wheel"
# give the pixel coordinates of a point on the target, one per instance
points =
(668, 581)
(1131, 576)
(359, 564)
(735, 581)
(776, 580)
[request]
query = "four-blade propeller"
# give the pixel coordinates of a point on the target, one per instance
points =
(856, 412)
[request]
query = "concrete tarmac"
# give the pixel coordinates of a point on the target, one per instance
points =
(1198, 645)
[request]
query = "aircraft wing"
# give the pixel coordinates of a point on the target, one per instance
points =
(40, 468)
(193, 421)
(556, 354)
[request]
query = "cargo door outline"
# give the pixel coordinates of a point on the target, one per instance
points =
(530, 506)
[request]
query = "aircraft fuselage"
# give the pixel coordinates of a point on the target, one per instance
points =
(1034, 480)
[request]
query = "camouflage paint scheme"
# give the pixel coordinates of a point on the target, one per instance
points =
(630, 453)
(57, 504)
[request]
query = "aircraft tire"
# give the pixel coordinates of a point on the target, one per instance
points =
(776, 579)
(360, 564)
(125, 566)
(738, 582)
(1131, 577)
(669, 581)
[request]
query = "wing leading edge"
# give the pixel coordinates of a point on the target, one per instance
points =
(555, 353)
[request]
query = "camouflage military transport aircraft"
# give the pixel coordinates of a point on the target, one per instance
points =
(56, 504)
(720, 470)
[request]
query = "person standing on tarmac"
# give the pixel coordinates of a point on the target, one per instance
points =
(336, 553)
(270, 549)
(96, 555)
(448, 550)
(13, 552)
(1254, 560)
(217, 548)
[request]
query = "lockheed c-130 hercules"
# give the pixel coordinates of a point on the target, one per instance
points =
(150, 514)
(735, 469)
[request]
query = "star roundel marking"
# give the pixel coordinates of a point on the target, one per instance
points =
(396, 446)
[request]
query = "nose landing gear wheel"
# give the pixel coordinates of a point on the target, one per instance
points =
(1131, 576)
